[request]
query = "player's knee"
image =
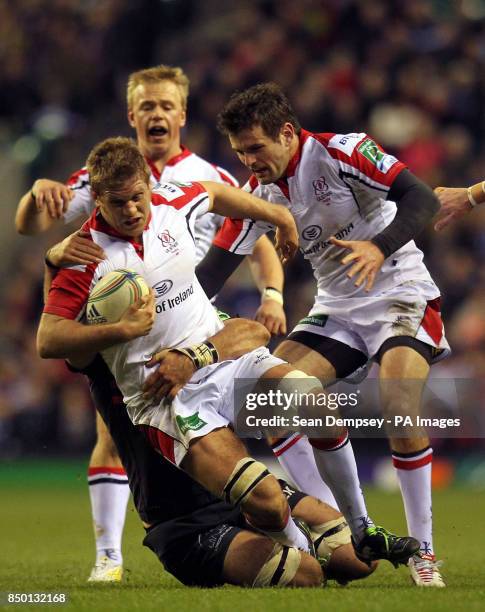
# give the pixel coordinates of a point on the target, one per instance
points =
(309, 573)
(287, 566)
(253, 488)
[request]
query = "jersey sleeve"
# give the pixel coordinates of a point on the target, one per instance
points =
(240, 235)
(226, 177)
(82, 204)
(69, 292)
(360, 157)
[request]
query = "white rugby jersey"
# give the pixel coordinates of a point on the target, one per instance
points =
(335, 185)
(166, 260)
(184, 167)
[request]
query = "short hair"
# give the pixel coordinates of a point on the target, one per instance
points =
(264, 104)
(114, 161)
(156, 74)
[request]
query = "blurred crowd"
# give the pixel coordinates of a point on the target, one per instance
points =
(409, 73)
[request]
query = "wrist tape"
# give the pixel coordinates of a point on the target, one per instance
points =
(200, 355)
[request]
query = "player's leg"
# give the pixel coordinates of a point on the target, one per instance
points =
(109, 493)
(403, 373)
(334, 456)
(335, 461)
(255, 560)
(231, 553)
(220, 463)
(331, 536)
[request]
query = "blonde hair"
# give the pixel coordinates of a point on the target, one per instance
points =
(156, 74)
(113, 161)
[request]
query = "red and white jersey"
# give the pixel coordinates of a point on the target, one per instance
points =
(185, 167)
(335, 185)
(166, 260)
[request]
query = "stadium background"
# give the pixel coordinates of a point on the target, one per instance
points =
(411, 74)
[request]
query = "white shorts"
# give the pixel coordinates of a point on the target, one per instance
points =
(365, 323)
(204, 404)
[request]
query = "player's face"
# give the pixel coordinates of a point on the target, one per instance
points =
(157, 114)
(265, 157)
(127, 208)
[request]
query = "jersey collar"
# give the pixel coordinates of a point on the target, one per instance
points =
(295, 160)
(185, 152)
(99, 224)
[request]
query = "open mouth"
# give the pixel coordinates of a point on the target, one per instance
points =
(157, 131)
(133, 222)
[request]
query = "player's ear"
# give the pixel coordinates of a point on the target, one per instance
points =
(131, 118)
(183, 118)
(287, 132)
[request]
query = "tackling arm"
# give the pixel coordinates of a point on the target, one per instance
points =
(238, 337)
(42, 206)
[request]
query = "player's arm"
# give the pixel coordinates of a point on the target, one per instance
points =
(63, 338)
(239, 204)
(42, 206)
(457, 201)
(268, 275)
(416, 206)
(175, 368)
(46, 205)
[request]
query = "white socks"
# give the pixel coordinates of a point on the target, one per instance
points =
(295, 455)
(290, 535)
(109, 493)
(414, 474)
(336, 463)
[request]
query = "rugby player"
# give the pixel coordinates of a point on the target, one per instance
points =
(157, 110)
(201, 540)
(152, 233)
(357, 210)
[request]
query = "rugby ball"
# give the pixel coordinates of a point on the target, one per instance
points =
(113, 294)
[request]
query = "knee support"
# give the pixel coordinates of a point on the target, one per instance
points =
(280, 567)
(247, 474)
(303, 382)
(329, 536)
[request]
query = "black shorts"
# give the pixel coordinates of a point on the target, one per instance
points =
(197, 558)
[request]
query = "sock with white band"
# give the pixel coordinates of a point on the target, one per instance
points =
(295, 456)
(336, 463)
(414, 475)
(109, 493)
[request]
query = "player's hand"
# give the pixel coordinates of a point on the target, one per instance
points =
(138, 319)
(286, 237)
(454, 204)
(75, 249)
(173, 372)
(367, 258)
(53, 196)
(272, 315)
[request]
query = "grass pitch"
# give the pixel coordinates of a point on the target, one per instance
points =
(47, 547)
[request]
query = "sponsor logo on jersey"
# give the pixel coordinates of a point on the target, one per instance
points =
(170, 303)
(322, 190)
(323, 244)
(382, 161)
(162, 287)
(318, 320)
(171, 191)
(312, 232)
(345, 142)
(169, 244)
(192, 422)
